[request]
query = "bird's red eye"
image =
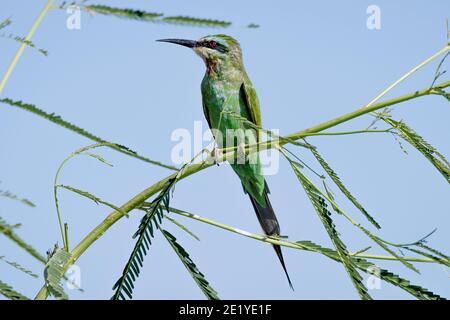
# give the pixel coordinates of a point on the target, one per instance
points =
(212, 44)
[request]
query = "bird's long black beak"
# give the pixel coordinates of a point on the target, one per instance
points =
(181, 42)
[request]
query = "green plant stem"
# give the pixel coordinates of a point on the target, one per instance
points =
(342, 133)
(284, 243)
(136, 201)
(24, 44)
(408, 74)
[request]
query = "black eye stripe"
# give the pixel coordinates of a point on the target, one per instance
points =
(211, 44)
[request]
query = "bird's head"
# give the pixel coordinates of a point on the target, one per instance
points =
(215, 50)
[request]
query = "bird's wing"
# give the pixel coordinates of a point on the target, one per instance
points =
(248, 95)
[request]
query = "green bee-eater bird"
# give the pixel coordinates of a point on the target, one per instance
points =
(231, 107)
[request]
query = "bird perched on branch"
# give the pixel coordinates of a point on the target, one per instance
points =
(231, 107)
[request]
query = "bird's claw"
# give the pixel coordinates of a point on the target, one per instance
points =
(241, 151)
(217, 155)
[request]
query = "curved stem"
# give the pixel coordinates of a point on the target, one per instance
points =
(114, 216)
(22, 47)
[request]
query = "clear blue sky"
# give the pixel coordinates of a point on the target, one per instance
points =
(310, 62)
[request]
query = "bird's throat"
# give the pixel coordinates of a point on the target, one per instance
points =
(212, 66)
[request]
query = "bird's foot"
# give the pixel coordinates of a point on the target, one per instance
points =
(217, 155)
(241, 153)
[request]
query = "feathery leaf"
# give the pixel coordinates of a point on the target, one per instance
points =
(59, 121)
(432, 250)
(195, 273)
(92, 197)
(196, 21)
(9, 195)
(19, 267)
(54, 271)
(154, 17)
(22, 40)
(332, 174)
(123, 12)
(10, 293)
(8, 231)
(5, 23)
(151, 220)
(320, 207)
(413, 138)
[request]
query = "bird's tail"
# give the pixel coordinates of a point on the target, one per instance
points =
(270, 225)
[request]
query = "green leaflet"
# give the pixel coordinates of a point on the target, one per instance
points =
(320, 207)
(154, 17)
(439, 260)
(196, 21)
(332, 174)
(123, 13)
(5, 23)
(417, 291)
(432, 250)
(12, 196)
(19, 267)
(22, 40)
(195, 273)
(8, 231)
(54, 271)
(99, 158)
(92, 197)
(10, 293)
(125, 284)
(428, 151)
(376, 239)
(182, 227)
(59, 121)
(383, 245)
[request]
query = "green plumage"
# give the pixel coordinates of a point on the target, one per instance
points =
(226, 104)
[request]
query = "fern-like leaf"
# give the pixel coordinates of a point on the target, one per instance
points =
(12, 196)
(54, 272)
(428, 151)
(324, 214)
(431, 256)
(123, 13)
(196, 21)
(434, 251)
(22, 40)
(125, 285)
(383, 245)
(96, 199)
(154, 17)
(417, 291)
(332, 174)
(5, 23)
(18, 267)
(8, 231)
(67, 125)
(10, 293)
(195, 273)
